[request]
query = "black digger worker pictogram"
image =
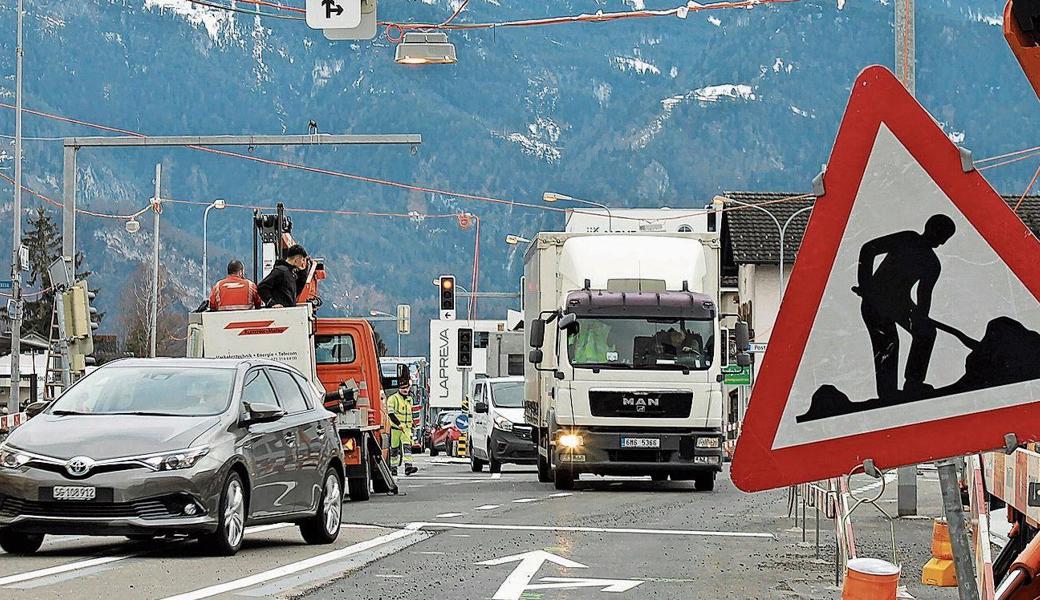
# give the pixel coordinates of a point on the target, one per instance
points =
(897, 294)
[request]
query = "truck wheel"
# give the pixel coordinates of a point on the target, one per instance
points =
(358, 487)
(563, 478)
(544, 472)
(475, 464)
(704, 481)
(659, 477)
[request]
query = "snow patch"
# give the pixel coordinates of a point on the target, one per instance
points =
(636, 4)
(979, 17)
(218, 23)
(631, 63)
(717, 93)
(602, 92)
(802, 113)
(715, 21)
(957, 137)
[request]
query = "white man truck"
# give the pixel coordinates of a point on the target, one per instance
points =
(624, 370)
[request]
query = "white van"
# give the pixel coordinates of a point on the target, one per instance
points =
(497, 432)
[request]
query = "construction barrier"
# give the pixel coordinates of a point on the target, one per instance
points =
(1010, 478)
(9, 422)
(980, 528)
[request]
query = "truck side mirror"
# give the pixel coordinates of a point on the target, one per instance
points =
(743, 359)
(568, 321)
(537, 337)
(480, 407)
(535, 357)
(742, 335)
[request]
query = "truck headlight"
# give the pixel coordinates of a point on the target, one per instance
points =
(503, 423)
(708, 442)
(570, 441)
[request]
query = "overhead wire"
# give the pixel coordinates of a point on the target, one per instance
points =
(255, 13)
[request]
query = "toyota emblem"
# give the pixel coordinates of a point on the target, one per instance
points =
(79, 466)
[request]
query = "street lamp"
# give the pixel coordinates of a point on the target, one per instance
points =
(425, 49)
(513, 240)
(388, 316)
(554, 197)
(218, 204)
(133, 225)
(783, 234)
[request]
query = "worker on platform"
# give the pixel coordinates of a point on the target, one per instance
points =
(399, 407)
(281, 286)
(234, 292)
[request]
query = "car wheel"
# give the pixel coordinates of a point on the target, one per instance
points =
(475, 464)
(20, 543)
(493, 464)
(704, 481)
(659, 477)
(563, 478)
(227, 539)
(358, 487)
(324, 526)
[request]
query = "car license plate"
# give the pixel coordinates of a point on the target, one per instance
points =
(640, 443)
(74, 493)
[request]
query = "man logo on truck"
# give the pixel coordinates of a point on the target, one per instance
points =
(641, 404)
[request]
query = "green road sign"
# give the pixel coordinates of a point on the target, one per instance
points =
(736, 375)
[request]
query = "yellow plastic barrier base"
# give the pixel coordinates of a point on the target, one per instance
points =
(939, 572)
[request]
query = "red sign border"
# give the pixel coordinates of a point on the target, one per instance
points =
(877, 97)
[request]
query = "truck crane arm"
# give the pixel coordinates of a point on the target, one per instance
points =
(1022, 31)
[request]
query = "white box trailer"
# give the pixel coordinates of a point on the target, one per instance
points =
(626, 376)
(445, 378)
(639, 220)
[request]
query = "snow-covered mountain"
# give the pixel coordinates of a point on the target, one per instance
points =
(651, 112)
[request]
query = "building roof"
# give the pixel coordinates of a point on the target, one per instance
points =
(750, 236)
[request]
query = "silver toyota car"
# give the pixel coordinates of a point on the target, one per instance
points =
(155, 447)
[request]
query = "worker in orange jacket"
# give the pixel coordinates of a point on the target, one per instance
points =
(234, 292)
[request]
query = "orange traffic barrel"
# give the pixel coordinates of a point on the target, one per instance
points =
(870, 579)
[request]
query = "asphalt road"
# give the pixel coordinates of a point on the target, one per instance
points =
(458, 534)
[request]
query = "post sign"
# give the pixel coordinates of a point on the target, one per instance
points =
(333, 14)
(736, 375)
(910, 331)
(366, 30)
(404, 319)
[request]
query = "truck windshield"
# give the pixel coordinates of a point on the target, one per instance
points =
(334, 349)
(508, 394)
(628, 343)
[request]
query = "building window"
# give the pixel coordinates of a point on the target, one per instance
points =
(515, 364)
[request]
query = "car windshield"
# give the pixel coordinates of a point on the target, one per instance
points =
(508, 394)
(448, 418)
(153, 391)
(630, 343)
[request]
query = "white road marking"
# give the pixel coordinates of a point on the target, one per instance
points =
(448, 515)
(607, 585)
(432, 553)
(496, 476)
(514, 585)
(525, 500)
(103, 560)
(889, 478)
(684, 532)
(445, 478)
(560, 495)
(388, 576)
(292, 568)
(487, 507)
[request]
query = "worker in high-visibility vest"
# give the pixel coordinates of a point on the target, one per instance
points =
(399, 407)
(590, 345)
(234, 292)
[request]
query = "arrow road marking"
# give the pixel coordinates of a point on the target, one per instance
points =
(608, 585)
(519, 580)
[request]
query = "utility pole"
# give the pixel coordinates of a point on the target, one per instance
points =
(906, 72)
(14, 401)
(157, 210)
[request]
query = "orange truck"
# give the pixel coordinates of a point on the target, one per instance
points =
(337, 354)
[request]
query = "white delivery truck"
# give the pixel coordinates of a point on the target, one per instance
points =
(624, 371)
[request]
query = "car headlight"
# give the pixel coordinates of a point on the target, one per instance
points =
(173, 461)
(10, 458)
(570, 441)
(503, 423)
(708, 442)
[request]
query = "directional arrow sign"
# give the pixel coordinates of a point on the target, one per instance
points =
(333, 14)
(519, 580)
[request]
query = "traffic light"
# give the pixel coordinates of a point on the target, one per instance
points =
(465, 347)
(80, 323)
(447, 299)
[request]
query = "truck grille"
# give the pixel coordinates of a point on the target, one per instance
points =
(650, 405)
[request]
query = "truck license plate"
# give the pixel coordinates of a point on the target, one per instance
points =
(640, 443)
(70, 492)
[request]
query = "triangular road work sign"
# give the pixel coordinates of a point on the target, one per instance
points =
(910, 327)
